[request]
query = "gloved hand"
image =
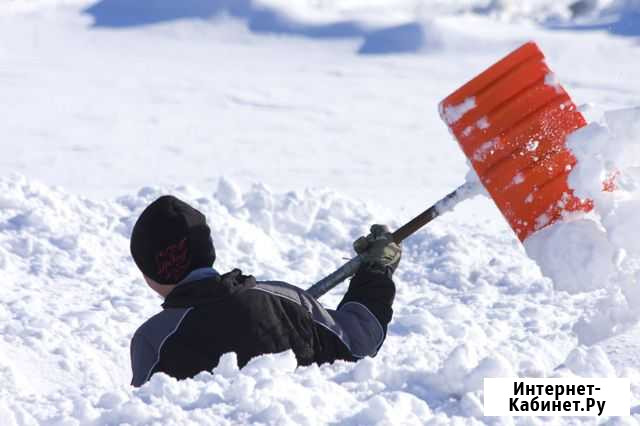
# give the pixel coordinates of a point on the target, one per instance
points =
(379, 252)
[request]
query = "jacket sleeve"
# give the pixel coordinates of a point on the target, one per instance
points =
(143, 359)
(371, 295)
(148, 342)
(357, 328)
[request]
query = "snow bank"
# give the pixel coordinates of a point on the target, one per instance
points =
(576, 255)
(469, 305)
(601, 250)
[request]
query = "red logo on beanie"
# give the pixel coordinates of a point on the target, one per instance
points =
(173, 261)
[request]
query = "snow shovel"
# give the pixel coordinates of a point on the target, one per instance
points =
(511, 122)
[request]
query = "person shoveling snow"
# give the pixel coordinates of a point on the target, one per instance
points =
(206, 314)
(511, 122)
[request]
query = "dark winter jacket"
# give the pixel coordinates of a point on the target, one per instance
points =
(204, 318)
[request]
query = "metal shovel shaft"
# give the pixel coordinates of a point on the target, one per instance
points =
(351, 267)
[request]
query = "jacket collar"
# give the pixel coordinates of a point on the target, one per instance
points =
(205, 286)
(199, 274)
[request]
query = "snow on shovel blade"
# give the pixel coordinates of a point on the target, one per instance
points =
(511, 121)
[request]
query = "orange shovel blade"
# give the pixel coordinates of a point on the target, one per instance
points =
(511, 121)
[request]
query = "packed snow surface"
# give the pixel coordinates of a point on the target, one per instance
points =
(273, 118)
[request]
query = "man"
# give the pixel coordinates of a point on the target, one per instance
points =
(206, 314)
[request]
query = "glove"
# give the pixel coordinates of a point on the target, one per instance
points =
(379, 252)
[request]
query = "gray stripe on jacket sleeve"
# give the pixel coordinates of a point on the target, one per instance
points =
(353, 324)
(365, 331)
(143, 356)
(148, 340)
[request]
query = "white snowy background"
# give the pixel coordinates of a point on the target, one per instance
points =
(294, 125)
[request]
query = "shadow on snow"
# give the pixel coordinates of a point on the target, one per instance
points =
(625, 24)
(127, 13)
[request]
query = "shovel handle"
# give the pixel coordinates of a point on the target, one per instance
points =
(447, 203)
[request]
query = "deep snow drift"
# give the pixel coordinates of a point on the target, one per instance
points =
(470, 305)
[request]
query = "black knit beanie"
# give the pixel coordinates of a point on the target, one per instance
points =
(171, 239)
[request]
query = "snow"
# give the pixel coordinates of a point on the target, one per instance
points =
(293, 138)
(552, 80)
(483, 123)
(517, 179)
(466, 307)
(532, 145)
(452, 113)
(576, 255)
(484, 150)
(599, 251)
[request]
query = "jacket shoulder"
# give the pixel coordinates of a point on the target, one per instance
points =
(148, 340)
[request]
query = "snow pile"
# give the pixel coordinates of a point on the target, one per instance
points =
(386, 10)
(591, 8)
(576, 255)
(602, 250)
(605, 151)
(587, 362)
(470, 305)
(269, 390)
